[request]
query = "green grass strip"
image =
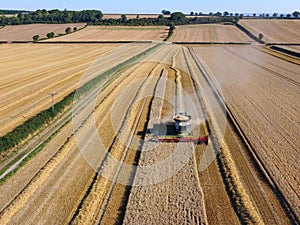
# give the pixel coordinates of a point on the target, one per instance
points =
(31, 155)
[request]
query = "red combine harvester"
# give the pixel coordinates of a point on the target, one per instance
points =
(183, 130)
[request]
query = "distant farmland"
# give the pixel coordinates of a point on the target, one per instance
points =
(117, 33)
(209, 33)
(26, 32)
(274, 31)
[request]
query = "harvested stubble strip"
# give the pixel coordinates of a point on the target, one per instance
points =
(92, 206)
(158, 100)
(116, 201)
(217, 203)
(175, 200)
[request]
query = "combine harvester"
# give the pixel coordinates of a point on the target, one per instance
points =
(183, 131)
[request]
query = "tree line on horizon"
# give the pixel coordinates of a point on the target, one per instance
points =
(295, 14)
(95, 17)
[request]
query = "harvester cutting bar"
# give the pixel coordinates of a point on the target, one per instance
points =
(198, 140)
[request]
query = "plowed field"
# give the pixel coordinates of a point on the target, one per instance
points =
(274, 31)
(209, 33)
(106, 33)
(26, 32)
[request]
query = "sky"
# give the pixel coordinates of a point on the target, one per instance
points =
(156, 6)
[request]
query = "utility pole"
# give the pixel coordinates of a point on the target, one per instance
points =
(52, 95)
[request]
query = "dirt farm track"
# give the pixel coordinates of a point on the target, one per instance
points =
(99, 161)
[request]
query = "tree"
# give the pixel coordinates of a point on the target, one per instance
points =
(241, 16)
(191, 13)
(50, 35)
(275, 14)
(166, 12)
(178, 18)
(281, 15)
(254, 14)
(267, 15)
(36, 38)
(123, 19)
(296, 14)
(288, 16)
(68, 30)
(225, 13)
(260, 36)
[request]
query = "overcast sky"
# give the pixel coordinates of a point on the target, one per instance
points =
(156, 6)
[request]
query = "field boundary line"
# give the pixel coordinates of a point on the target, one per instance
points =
(286, 51)
(211, 43)
(93, 42)
(280, 55)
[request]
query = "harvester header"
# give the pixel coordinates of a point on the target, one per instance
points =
(182, 125)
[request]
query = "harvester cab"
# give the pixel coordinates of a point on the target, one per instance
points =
(182, 123)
